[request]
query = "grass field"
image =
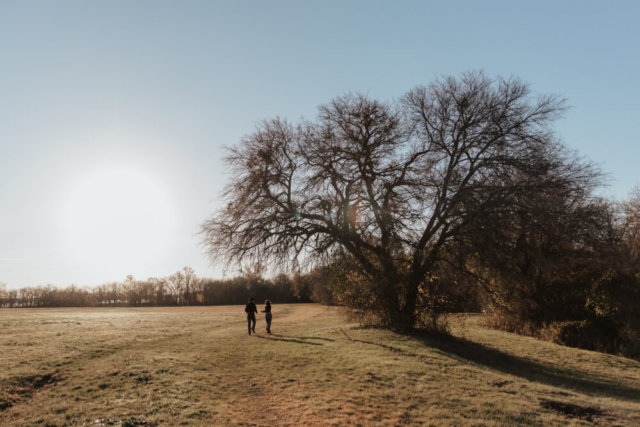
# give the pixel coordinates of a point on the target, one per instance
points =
(197, 366)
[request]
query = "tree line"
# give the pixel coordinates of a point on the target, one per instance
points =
(179, 289)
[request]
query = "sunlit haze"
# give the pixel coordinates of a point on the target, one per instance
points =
(114, 114)
(118, 219)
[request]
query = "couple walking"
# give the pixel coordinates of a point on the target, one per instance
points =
(251, 311)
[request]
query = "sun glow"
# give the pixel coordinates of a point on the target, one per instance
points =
(119, 218)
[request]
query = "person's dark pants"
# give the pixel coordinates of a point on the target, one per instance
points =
(268, 318)
(251, 318)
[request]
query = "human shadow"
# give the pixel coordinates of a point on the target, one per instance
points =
(588, 383)
(304, 338)
(297, 341)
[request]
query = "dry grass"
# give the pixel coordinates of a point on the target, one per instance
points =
(197, 366)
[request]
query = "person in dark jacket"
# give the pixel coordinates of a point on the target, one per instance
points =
(267, 315)
(251, 311)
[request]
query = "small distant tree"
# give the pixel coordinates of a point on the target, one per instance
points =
(394, 187)
(114, 293)
(180, 284)
(302, 285)
(3, 294)
(12, 297)
(176, 285)
(129, 291)
(189, 277)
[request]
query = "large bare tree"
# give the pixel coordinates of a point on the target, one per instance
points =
(395, 185)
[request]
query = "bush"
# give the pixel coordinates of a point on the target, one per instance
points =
(593, 309)
(598, 334)
(511, 321)
(603, 298)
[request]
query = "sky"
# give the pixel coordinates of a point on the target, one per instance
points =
(114, 115)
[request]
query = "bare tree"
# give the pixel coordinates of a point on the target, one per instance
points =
(189, 277)
(3, 294)
(393, 186)
(175, 284)
(159, 290)
(128, 290)
(12, 297)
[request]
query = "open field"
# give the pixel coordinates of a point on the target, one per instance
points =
(197, 366)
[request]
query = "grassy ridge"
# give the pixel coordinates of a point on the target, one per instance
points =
(197, 366)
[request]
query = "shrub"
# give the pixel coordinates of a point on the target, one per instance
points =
(597, 334)
(603, 298)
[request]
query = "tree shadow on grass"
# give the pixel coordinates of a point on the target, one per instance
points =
(580, 381)
(297, 341)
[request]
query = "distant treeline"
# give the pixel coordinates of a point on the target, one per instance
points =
(180, 289)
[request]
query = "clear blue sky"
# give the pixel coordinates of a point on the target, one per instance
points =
(150, 91)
